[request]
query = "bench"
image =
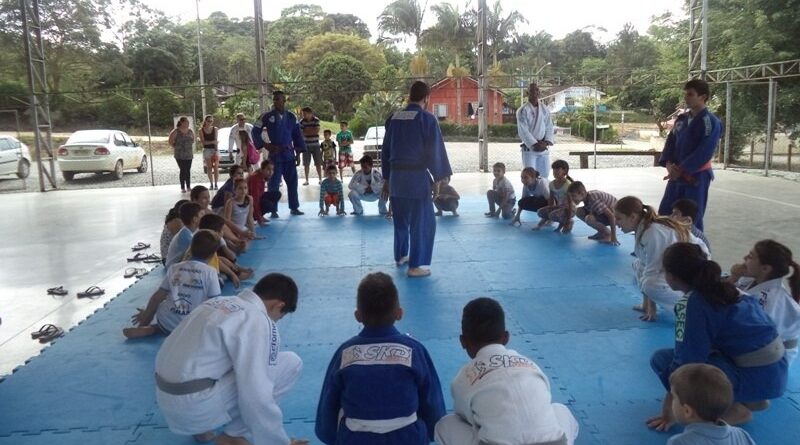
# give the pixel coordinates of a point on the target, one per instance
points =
(584, 155)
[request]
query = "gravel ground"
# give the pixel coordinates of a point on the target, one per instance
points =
(463, 158)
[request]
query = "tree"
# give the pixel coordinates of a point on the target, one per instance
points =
(500, 27)
(402, 17)
(155, 66)
(315, 48)
(572, 49)
(341, 80)
(303, 10)
(285, 35)
(419, 66)
(344, 24)
(375, 108)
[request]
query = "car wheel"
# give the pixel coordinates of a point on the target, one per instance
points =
(23, 169)
(117, 170)
(143, 167)
(68, 176)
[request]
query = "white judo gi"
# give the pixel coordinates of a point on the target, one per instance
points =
(534, 124)
(503, 398)
(231, 340)
(358, 190)
(648, 268)
(778, 303)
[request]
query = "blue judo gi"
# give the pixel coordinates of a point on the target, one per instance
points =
(384, 380)
(713, 334)
(690, 146)
(412, 158)
(283, 130)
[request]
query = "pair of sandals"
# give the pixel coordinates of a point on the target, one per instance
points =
(47, 333)
(90, 292)
(145, 258)
(137, 272)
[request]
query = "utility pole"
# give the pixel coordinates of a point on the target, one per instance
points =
(483, 128)
(200, 63)
(261, 68)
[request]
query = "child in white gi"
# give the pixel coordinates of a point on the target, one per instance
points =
(366, 185)
(500, 397)
(762, 275)
(701, 394)
(653, 235)
(187, 285)
(501, 195)
(222, 366)
(381, 386)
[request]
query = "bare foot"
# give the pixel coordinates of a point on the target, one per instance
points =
(417, 272)
(139, 332)
(245, 273)
(737, 414)
(208, 436)
(225, 439)
(402, 260)
(455, 213)
(760, 405)
(638, 307)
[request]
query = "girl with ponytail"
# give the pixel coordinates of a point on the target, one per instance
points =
(762, 276)
(717, 325)
(653, 235)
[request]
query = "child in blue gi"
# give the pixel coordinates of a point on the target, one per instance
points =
(701, 394)
(381, 386)
(716, 324)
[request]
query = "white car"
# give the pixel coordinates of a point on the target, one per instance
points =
(373, 142)
(15, 158)
(97, 151)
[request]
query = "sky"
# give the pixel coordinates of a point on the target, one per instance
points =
(556, 17)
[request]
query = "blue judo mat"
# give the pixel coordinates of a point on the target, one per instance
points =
(567, 300)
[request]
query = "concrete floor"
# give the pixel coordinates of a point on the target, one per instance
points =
(83, 237)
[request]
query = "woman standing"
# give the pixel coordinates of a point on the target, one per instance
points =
(181, 139)
(208, 138)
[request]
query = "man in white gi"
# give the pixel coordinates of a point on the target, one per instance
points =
(222, 366)
(233, 139)
(535, 129)
(500, 397)
(366, 185)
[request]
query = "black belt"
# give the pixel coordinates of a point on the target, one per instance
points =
(409, 167)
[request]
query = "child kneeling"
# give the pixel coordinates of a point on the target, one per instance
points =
(500, 396)
(381, 386)
(187, 285)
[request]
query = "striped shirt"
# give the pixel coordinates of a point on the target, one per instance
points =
(597, 202)
(330, 187)
(310, 129)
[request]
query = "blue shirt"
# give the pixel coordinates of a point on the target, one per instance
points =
(178, 246)
(711, 434)
(283, 130)
(379, 374)
(413, 155)
(691, 143)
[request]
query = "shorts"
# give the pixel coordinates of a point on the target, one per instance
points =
(602, 219)
(532, 203)
(314, 152)
(210, 154)
(345, 160)
(329, 162)
(332, 199)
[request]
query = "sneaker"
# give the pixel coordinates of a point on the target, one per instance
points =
(274, 215)
(296, 212)
(305, 183)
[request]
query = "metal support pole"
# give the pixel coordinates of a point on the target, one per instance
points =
(150, 144)
(483, 133)
(773, 88)
(704, 43)
(260, 59)
(728, 113)
(596, 99)
(200, 63)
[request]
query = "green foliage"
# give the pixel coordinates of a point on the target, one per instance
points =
(117, 112)
(155, 66)
(341, 80)
(243, 102)
(314, 49)
(13, 95)
(373, 109)
(402, 18)
(505, 131)
(344, 24)
(163, 105)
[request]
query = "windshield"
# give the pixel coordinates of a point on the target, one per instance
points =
(89, 137)
(375, 133)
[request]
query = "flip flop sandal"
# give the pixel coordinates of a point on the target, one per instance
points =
(138, 257)
(91, 292)
(152, 258)
(52, 335)
(44, 330)
(140, 246)
(135, 272)
(57, 291)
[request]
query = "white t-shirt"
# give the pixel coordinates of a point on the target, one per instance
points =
(504, 186)
(189, 284)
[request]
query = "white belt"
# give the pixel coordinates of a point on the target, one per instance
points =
(381, 426)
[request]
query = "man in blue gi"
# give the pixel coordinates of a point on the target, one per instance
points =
(284, 138)
(381, 386)
(688, 151)
(413, 157)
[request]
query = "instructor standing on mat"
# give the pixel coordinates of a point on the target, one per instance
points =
(413, 157)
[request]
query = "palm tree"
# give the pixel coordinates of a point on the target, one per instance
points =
(499, 27)
(455, 31)
(403, 17)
